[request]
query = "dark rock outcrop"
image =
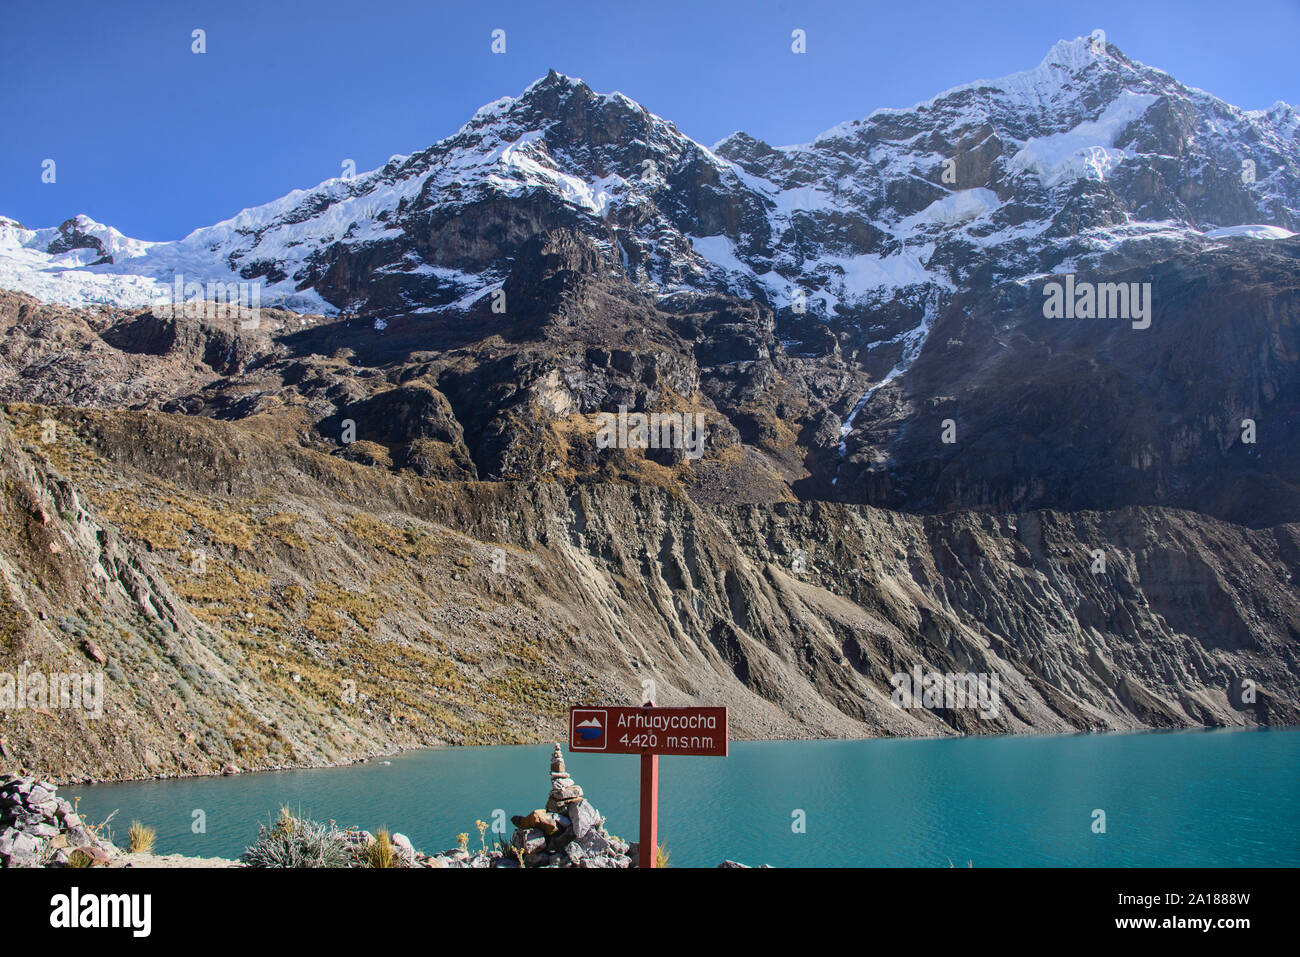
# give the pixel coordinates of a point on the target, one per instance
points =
(38, 828)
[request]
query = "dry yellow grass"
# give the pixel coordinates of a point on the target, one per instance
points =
(140, 838)
(379, 853)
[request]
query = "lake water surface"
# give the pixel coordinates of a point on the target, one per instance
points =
(1181, 799)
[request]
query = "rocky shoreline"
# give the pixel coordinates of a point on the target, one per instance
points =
(40, 829)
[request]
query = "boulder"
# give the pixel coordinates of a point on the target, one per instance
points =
(539, 818)
(584, 818)
(530, 841)
(572, 855)
(403, 849)
(21, 850)
(594, 843)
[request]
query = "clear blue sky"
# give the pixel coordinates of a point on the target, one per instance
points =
(157, 141)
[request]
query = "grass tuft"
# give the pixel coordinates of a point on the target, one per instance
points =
(140, 838)
(380, 851)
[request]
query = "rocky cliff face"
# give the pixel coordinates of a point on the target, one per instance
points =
(408, 530)
(256, 604)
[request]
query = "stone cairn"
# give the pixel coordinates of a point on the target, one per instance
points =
(568, 832)
(38, 828)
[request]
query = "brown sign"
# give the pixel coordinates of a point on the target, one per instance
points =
(672, 731)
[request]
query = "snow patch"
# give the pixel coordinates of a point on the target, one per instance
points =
(957, 207)
(1252, 231)
(1087, 151)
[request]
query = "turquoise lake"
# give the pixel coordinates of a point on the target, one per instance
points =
(1176, 799)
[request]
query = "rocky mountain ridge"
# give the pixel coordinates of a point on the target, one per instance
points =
(830, 306)
(373, 513)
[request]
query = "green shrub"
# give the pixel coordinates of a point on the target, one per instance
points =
(298, 842)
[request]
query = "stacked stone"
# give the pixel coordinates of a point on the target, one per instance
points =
(564, 790)
(38, 828)
(568, 832)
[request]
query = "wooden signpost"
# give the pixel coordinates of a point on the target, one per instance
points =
(649, 732)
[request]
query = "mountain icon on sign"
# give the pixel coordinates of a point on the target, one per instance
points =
(587, 729)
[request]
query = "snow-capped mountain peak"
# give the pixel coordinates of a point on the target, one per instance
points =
(1085, 150)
